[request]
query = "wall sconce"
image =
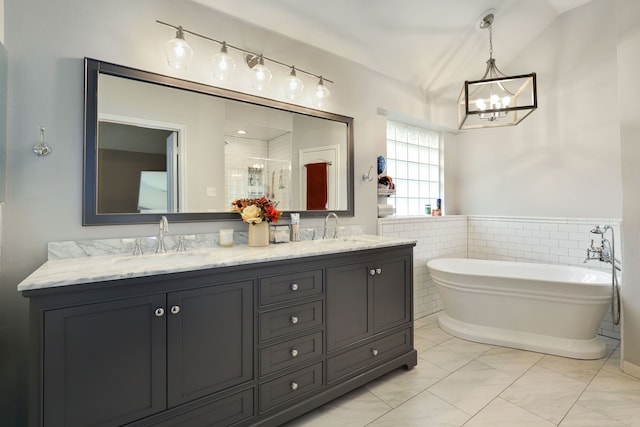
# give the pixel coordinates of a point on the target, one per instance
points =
(496, 99)
(179, 55)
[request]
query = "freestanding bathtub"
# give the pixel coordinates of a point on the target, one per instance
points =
(545, 308)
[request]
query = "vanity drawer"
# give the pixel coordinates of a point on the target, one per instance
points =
(359, 358)
(289, 353)
(290, 386)
(290, 319)
(287, 287)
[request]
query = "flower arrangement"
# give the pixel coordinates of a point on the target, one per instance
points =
(254, 211)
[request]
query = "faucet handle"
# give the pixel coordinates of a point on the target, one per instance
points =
(137, 249)
(181, 245)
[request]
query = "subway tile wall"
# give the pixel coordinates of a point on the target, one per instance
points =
(437, 237)
(544, 240)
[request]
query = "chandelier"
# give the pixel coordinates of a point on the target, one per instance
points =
(496, 99)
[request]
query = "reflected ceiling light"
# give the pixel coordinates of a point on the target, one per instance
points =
(320, 94)
(223, 65)
(293, 85)
(178, 51)
(496, 99)
(241, 132)
(260, 74)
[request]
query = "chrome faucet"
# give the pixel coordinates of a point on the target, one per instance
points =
(164, 227)
(335, 227)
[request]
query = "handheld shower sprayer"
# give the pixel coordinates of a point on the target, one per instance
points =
(606, 252)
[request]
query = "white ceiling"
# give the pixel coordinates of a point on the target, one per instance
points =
(427, 43)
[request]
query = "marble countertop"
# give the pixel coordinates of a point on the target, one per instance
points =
(74, 271)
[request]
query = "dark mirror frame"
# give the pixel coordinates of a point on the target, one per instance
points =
(90, 216)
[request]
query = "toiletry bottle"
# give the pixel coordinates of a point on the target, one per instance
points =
(295, 227)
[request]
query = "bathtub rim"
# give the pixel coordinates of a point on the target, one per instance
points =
(586, 349)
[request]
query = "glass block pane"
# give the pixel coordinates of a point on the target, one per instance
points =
(434, 173)
(391, 149)
(434, 140)
(391, 130)
(424, 189)
(414, 207)
(402, 207)
(424, 172)
(401, 151)
(414, 188)
(412, 151)
(401, 133)
(423, 155)
(413, 136)
(391, 168)
(434, 190)
(413, 171)
(401, 170)
(401, 187)
(434, 156)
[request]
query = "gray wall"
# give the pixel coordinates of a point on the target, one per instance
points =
(47, 41)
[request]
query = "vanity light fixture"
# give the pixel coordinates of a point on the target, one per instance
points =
(320, 94)
(260, 74)
(179, 54)
(178, 51)
(496, 99)
(223, 64)
(293, 85)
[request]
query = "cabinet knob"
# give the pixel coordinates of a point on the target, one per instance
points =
(293, 386)
(294, 319)
(294, 352)
(294, 286)
(175, 309)
(372, 272)
(378, 271)
(159, 312)
(374, 352)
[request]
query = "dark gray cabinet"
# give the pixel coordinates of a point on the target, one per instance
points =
(105, 363)
(210, 340)
(253, 345)
(115, 362)
(366, 298)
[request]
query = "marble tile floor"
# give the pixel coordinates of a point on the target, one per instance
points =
(462, 383)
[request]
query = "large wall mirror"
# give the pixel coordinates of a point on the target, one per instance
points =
(157, 145)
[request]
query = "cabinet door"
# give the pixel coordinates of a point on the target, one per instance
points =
(210, 340)
(392, 287)
(349, 314)
(104, 363)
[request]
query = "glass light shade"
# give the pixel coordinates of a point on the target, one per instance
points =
(293, 86)
(223, 65)
(261, 76)
(320, 94)
(178, 52)
(495, 102)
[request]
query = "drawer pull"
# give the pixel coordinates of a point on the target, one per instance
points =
(293, 386)
(159, 312)
(294, 352)
(374, 352)
(372, 272)
(175, 309)
(378, 271)
(294, 286)
(293, 319)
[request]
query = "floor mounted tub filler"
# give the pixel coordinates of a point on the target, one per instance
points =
(545, 308)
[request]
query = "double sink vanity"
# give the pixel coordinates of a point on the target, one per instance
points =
(216, 336)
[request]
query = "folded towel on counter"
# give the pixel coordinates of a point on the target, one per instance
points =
(385, 210)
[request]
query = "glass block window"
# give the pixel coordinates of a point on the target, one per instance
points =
(413, 163)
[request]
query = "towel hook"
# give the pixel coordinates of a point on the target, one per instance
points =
(367, 176)
(42, 149)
